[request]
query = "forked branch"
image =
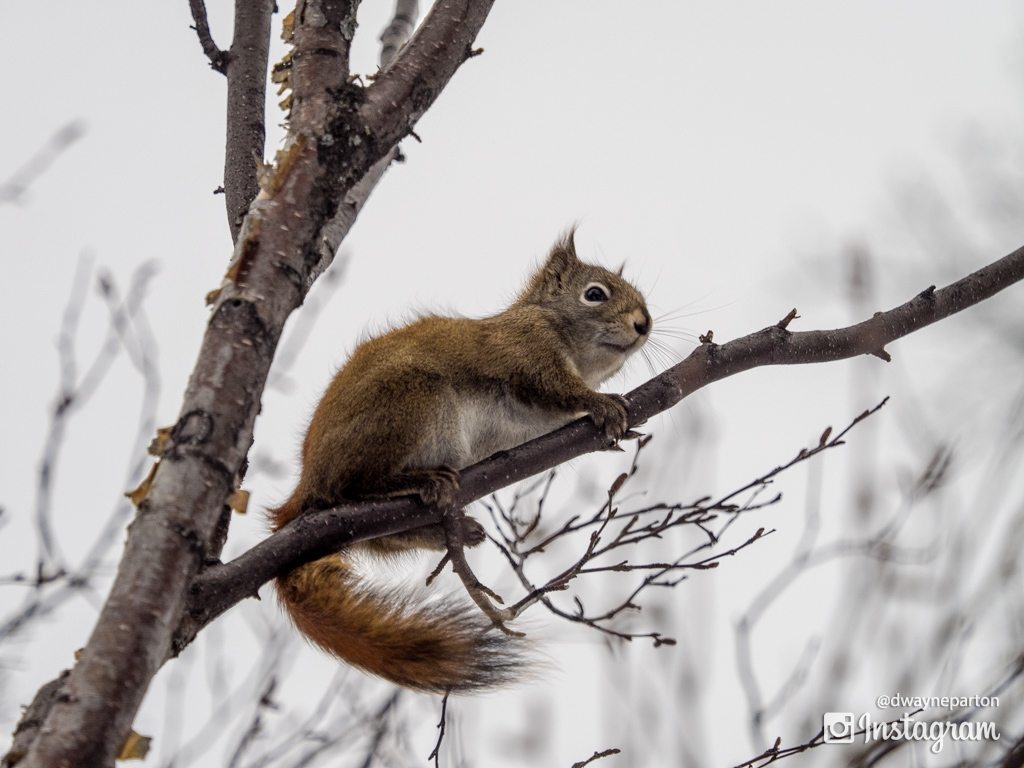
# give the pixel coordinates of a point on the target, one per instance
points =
(334, 139)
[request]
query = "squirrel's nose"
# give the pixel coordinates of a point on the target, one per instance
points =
(643, 325)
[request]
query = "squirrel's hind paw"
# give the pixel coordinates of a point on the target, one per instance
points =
(438, 486)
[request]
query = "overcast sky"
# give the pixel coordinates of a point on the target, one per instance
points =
(729, 152)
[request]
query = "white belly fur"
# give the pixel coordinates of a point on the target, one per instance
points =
(487, 426)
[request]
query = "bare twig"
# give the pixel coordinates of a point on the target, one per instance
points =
(596, 756)
(255, 726)
(245, 66)
(299, 331)
(306, 729)
(1013, 674)
(616, 531)
(257, 684)
(126, 330)
(351, 726)
(14, 189)
(218, 59)
(877, 546)
(382, 721)
(778, 752)
(480, 593)
(435, 753)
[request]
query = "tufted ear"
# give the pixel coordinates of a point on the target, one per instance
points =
(561, 263)
(552, 278)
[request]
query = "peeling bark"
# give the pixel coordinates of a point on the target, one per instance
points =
(338, 132)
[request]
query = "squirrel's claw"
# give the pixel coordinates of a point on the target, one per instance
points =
(609, 413)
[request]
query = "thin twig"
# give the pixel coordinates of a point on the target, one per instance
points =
(219, 59)
(435, 753)
(15, 188)
(777, 752)
(382, 719)
(596, 756)
(481, 594)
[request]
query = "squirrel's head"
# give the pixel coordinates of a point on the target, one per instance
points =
(603, 317)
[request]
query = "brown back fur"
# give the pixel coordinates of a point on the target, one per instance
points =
(448, 391)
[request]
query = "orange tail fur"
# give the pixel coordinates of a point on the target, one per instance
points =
(436, 647)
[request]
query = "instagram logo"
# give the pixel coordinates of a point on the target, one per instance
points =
(837, 727)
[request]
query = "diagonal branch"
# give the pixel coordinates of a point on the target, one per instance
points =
(316, 534)
(218, 58)
(15, 189)
(437, 48)
(336, 135)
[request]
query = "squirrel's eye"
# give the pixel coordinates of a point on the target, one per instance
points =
(595, 293)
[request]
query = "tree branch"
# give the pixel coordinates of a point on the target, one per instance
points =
(246, 107)
(218, 59)
(393, 38)
(336, 135)
(395, 35)
(441, 43)
(319, 533)
(32, 720)
(15, 189)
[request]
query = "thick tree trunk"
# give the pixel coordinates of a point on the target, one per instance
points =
(338, 132)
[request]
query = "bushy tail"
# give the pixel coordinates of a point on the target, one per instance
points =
(436, 647)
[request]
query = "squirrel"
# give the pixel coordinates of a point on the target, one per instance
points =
(410, 409)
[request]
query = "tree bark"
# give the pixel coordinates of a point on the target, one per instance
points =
(246, 107)
(338, 131)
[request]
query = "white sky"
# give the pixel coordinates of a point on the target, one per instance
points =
(729, 152)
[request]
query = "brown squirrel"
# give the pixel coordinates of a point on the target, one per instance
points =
(413, 407)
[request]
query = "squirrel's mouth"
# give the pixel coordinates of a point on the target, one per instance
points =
(621, 348)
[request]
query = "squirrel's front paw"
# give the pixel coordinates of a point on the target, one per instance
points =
(609, 413)
(439, 486)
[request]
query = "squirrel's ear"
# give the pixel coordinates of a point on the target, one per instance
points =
(551, 279)
(561, 263)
